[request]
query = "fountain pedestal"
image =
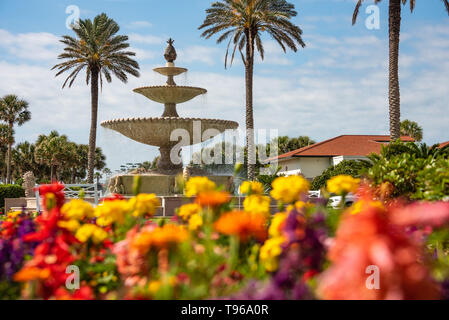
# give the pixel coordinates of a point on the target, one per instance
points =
(157, 132)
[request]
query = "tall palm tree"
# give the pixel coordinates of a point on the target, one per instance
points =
(243, 22)
(98, 49)
(411, 129)
(13, 111)
(394, 30)
(4, 138)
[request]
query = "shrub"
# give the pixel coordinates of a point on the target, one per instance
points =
(432, 183)
(416, 171)
(399, 170)
(347, 167)
(10, 191)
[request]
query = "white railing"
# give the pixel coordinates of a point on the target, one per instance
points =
(73, 191)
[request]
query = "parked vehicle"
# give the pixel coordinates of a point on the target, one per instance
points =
(335, 201)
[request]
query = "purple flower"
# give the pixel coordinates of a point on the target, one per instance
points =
(14, 250)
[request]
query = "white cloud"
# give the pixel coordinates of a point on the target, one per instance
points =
(139, 24)
(30, 46)
(202, 54)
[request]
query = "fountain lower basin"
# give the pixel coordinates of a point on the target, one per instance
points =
(157, 131)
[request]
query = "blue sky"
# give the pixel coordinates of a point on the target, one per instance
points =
(336, 85)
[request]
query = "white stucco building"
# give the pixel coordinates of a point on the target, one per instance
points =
(312, 160)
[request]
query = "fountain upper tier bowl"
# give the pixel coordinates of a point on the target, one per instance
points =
(170, 71)
(157, 131)
(170, 94)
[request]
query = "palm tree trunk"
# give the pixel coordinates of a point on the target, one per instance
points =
(249, 69)
(8, 163)
(394, 93)
(93, 126)
(52, 172)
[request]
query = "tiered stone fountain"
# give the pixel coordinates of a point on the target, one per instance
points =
(157, 131)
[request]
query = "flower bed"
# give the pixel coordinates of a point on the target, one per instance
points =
(379, 248)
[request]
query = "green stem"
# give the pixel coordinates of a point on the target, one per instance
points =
(234, 253)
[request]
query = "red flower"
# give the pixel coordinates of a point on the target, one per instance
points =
(83, 293)
(113, 197)
(309, 274)
(422, 214)
(55, 189)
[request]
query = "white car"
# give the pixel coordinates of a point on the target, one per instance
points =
(335, 202)
(314, 194)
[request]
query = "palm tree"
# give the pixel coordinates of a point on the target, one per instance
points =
(23, 158)
(286, 144)
(4, 138)
(242, 22)
(98, 49)
(411, 129)
(107, 172)
(98, 176)
(394, 30)
(54, 150)
(13, 110)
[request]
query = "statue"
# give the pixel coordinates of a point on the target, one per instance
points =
(116, 186)
(187, 173)
(170, 52)
(29, 182)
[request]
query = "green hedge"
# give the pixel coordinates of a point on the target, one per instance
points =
(10, 191)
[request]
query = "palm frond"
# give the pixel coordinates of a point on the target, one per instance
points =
(95, 47)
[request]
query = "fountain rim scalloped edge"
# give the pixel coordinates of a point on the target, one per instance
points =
(121, 120)
(180, 70)
(171, 86)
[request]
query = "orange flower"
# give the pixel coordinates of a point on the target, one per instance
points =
(370, 243)
(161, 237)
(31, 273)
(213, 198)
(242, 224)
(167, 235)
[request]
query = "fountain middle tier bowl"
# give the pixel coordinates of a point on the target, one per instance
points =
(158, 131)
(170, 94)
(170, 71)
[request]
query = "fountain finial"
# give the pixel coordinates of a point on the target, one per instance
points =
(170, 52)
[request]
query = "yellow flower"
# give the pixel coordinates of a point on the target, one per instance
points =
(196, 185)
(195, 222)
(13, 214)
(99, 235)
(277, 223)
(342, 184)
(299, 205)
(71, 225)
(288, 189)
(154, 286)
(270, 252)
(87, 231)
(112, 212)
(361, 205)
(251, 187)
(144, 204)
(188, 210)
(77, 209)
(257, 204)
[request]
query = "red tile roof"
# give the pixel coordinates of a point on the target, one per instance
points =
(345, 145)
(444, 144)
